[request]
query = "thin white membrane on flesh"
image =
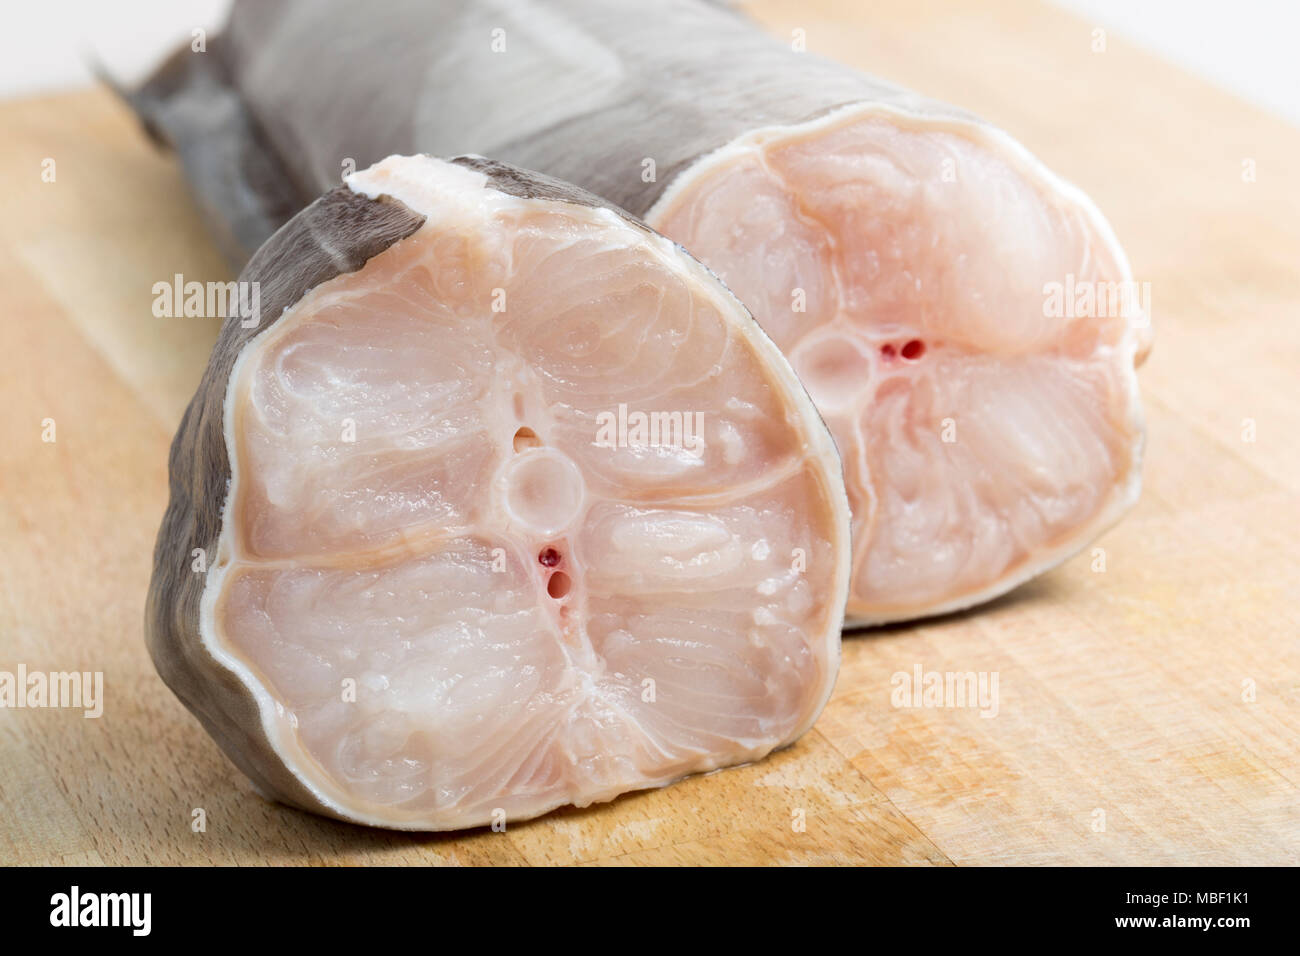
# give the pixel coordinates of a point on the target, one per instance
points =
(904, 265)
(459, 582)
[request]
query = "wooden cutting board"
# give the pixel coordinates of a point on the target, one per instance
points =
(1148, 713)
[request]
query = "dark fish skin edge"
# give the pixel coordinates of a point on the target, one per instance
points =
(336, 234)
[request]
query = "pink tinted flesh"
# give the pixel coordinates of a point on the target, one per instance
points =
(527, 611)
(903, 270)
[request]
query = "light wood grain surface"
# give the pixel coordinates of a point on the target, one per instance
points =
(1161, 696)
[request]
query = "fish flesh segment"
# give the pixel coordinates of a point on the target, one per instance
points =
(507, 503)
(985, 436)
(900, 250)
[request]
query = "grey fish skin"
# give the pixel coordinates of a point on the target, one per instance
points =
(265, 118)
(191, 105)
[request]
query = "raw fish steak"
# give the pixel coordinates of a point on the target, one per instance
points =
(506, 503)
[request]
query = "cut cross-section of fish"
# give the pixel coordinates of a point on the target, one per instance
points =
(512, 505)
(987, 430)
(965, 320)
